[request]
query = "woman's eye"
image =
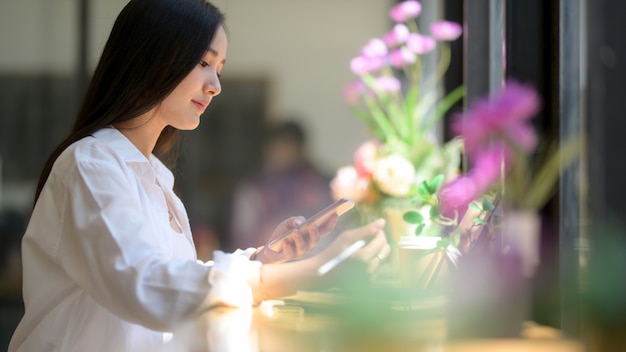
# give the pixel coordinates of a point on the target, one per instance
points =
(204, 63)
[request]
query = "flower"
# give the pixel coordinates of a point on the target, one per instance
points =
(394, 175)
(405, 10)
(503, 147)
(397, 36)
(459, 193)
(420, 44)
(506, 164)
(365, 158)
(400, 104)
(348, 183)
(445, 30)
(506, 117)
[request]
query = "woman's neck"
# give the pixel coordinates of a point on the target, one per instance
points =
(143, 131)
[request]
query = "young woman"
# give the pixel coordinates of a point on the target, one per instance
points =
(108, 258)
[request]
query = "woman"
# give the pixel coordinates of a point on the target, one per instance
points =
(109, 263)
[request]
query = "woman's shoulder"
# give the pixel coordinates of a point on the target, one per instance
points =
(106, 146)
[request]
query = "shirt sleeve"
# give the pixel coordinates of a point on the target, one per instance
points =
(108, 248)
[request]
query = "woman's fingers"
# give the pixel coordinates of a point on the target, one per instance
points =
(311, 237)
(365, 232)
(375, 252)
(329, 225)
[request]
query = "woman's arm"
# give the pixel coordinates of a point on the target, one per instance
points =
(277, 280)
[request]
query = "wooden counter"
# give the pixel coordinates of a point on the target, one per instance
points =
(333, 321)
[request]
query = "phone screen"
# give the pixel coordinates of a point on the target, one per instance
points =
(339, 208)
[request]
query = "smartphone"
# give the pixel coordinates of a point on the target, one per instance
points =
(339, 207)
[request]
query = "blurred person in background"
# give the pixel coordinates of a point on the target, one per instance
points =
(287, 184)
(108, 258)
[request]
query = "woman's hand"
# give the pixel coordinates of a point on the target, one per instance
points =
(279, 280)
(298, 243)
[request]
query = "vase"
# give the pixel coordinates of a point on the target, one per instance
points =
(521, 232)
(396, 227)
(419, 266)
(490, 292)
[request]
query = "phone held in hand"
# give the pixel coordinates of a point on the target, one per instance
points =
(339, 208)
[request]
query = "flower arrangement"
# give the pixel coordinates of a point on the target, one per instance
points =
(400, 105)
(507, 163)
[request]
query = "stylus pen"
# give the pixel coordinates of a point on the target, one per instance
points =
(345, 254)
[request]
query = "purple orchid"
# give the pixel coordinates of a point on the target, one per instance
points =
(505, 116)
(486, 171)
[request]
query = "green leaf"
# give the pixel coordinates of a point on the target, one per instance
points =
(487, 204)
(434, 212)
(445, 104)
(544, 183)
(435, 183)
(423, 191)
(475, 206)
(413, 217)
(479, 221)
(419, 229)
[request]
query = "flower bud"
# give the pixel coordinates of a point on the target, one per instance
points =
(445, 30)
(397, 36)
(405, 10)
(374, 48)
(420, 44)
(401, 57)
(363, 64)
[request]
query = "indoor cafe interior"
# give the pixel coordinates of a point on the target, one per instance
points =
(396, 106)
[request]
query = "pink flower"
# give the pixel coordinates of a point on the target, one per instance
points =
(352, 92)
(405, 10)
(365, 158)
(420, 44)
(445, 30)
(387, 84)
(364, 64)
(397, 36)
(347, 183)
(504, 117)
(374, 48)
(401, 57)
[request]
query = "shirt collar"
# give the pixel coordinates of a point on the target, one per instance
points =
(152, 167)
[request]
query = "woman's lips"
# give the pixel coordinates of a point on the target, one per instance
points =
(201, 105)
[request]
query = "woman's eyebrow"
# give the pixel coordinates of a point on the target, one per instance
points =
(215, 53)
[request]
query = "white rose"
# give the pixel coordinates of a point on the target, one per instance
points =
(394, 175)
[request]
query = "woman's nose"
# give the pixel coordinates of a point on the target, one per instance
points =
(212, 86)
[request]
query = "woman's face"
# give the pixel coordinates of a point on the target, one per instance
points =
(183, 107)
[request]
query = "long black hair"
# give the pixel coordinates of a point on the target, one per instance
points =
(153, 45)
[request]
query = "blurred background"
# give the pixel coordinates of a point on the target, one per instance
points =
(289, 60)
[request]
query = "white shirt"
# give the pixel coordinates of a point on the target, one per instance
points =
(103, 268)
